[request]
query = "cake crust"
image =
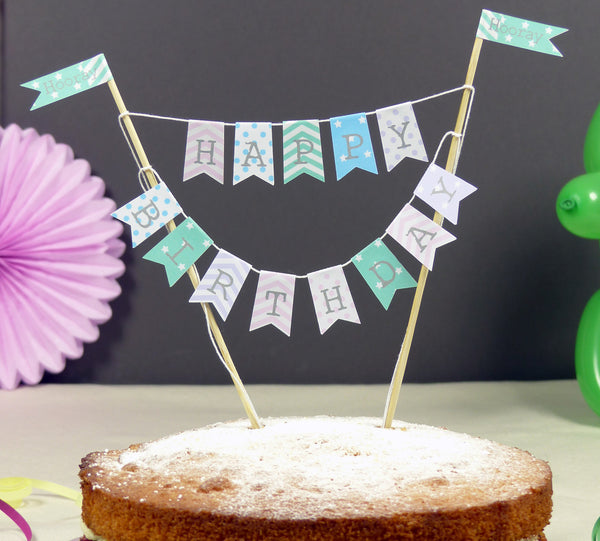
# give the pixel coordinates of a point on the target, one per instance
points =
(316, 479)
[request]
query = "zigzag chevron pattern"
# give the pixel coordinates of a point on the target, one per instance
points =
(418, 234)
(274, 301)
(205, 150)
(222, 282)
(302, 151)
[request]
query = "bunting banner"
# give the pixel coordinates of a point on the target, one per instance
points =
(517, 32)
(253, 152)
(418, 234)
(69, 81)
(382, 271)
(352, 147)
(205, 150)
(222, 282)
(274, 301)
(331, 297)
(180, 249)
(443, 191)
(400, 135)
(148, 212)
(302, 150)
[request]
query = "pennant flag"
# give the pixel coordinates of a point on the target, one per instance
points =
(302, 150)
(180, 249)
(418, 234)
(205, 150)
(222, 282)
(382, 271)
(70, 80)
(253, 152)
(443, 191)
(148, 212)
(332, 298)
(518, 32)
(274, 301)
(400, 134)
(352, 145)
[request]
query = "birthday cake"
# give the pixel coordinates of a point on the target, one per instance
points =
(320, 478)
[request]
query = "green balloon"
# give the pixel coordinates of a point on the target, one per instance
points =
(587, 353)
(578, 206)
(596, 531)
(591, 145)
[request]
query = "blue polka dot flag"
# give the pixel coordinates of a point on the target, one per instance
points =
(253, 152)
(148, 212)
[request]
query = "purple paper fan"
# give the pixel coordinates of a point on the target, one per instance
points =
(59, 256)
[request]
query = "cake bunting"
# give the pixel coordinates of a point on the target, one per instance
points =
(253, 157)
(440, 188)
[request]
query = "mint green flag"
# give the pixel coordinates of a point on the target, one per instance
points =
(69, 81)
(518, 32)
(180, 249)
(382, 271)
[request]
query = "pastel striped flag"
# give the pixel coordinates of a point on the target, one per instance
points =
(222, 282)
(148, 212)
(205, 150)
(253, 152)
(302, 151)
(418, 234)
(69, 81)
(332, 297)
(274, 301)
(180, 249)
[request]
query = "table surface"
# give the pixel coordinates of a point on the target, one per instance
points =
(45, 430)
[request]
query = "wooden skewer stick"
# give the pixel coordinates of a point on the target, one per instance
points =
(451, 163)
(192, 271)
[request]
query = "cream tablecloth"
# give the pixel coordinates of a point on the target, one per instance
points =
(45, 430)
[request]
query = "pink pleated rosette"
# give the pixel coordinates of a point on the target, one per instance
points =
(59, 256)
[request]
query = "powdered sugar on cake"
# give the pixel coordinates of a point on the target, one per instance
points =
(320, 467)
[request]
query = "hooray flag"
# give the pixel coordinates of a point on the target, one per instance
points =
(352, 145)
(274, 301)
(253, 152)
(518, 32)
(205, 150)
(400, 134)
(382, 271)
(222, 282)
(331, 297)
(418, 234)
(70, 80)
(443, 191)
(148, 212)
(302, 150)
(180, 249)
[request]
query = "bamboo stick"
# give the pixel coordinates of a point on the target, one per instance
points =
(192, 271)
(451, 163)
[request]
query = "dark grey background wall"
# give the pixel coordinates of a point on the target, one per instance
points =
(503, 301)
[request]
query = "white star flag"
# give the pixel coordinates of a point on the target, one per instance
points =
(443, 191)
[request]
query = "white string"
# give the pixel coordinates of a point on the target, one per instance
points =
(187, 120)
(145, 185)
(143, 181)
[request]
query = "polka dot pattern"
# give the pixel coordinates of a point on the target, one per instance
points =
(253, 152)
(400, 135)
